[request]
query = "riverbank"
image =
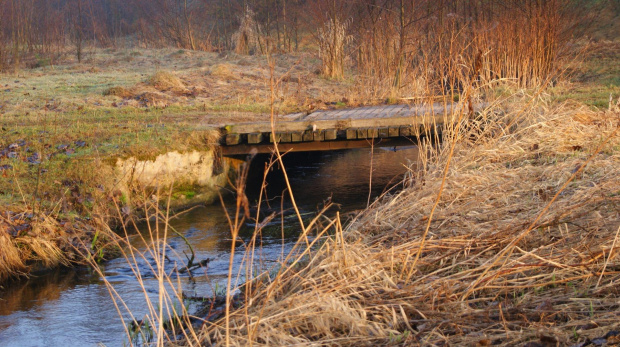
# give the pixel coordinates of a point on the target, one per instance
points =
(508, 236)
(67, 129)
(64, 129)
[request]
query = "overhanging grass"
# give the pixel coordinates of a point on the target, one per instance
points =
(519, 243)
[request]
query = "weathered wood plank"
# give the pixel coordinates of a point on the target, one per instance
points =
(379, 112)
(297, 136)
(283, 126)
(330, 134)
(254, 138)
(233, 139)
(308, 136)
(373, 133)
(362, 133)
(351, 134)
(318, 135)
(281, 137)
(244, 149)
(384, 132)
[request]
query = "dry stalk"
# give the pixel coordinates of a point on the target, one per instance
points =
(504, 173)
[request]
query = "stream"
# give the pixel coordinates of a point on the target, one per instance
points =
(73, 307)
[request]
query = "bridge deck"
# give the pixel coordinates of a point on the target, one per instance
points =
(392, 125)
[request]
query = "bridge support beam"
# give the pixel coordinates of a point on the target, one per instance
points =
(243, 149)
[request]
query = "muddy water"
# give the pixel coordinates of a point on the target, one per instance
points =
(73, 307)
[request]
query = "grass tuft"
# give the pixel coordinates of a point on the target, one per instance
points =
(223, 71)
(164, 80)
(118, 91)
(11, 263)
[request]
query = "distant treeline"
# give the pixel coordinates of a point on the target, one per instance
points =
(382, 39)
(35, 31)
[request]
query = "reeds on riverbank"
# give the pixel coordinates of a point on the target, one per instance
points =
(509, 235)
(32, 241)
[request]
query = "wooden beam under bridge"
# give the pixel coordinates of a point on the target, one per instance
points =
(388, 125)
(240, 150)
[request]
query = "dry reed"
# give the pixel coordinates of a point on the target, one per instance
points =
(11, 263)
(522, 246)
(40, 242)
(333, 39)
(247, 39)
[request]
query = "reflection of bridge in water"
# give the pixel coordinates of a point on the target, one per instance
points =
(389, 126)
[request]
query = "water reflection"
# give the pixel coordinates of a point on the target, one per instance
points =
(73, 307)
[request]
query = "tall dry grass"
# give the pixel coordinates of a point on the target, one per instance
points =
(248, 39)
(333, 39)
(508, 235)
(409, 49)
(11, 263)
(41, 240)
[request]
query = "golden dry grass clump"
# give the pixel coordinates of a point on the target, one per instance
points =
(41, 242)
(223, 71)
(165, 80)
(521, 245)
(118, 91)
(37, 242)
(10, 261)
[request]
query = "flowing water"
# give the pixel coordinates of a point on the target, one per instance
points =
(73, 307)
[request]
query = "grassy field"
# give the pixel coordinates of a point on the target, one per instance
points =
(64, 126)
(593, 79)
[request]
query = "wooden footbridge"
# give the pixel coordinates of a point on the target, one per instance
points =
(385, 126)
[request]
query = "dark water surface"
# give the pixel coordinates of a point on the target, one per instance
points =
(72, 307)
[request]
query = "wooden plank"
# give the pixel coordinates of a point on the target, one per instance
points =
(281, 137)
(344, 114)
(286, 137)
(362, 133)
(254, 138)
(314, 115)
(297, 136)
(379, 112)
(366, 117)
(348, 114)
(330, 134)
(393, 131)
(373, 133)
(233, 139)
(283, 126)
(308, 136)
(243, 149)
(405, 131)
(384, 132)
(318, 135)
(294, 116)
(334, 114)
(365, 112)
(351, 134)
